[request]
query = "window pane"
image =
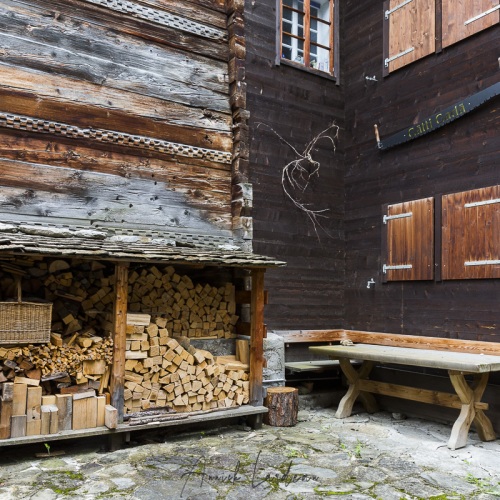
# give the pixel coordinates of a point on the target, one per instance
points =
(299, 56)
(321, 58)
(287, 15)
(300, 31)
(286, 52)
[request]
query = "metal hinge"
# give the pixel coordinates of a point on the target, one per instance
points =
(397, 56)
(398, 216)
(481, 203)
(394, 9)
(479, 16)
(482, 263)
(386, 268)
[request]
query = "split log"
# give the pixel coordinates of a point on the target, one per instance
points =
(283, 406)
(18, 426)
(5, 418)
(110, 417)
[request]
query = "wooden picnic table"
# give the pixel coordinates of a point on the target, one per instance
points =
(458, 365)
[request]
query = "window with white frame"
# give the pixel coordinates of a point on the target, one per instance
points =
(307, 33)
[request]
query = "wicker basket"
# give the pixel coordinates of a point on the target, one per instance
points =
(25, 322)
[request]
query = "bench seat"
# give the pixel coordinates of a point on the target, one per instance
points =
(311, 366)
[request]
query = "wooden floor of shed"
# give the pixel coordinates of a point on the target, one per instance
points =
(242, 411)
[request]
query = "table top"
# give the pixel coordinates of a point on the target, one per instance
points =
(447, 360)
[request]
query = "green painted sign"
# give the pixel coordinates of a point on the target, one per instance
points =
(441, 118)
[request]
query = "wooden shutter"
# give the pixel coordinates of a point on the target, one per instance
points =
(463, 18)
(410, 241)
(471, 234)
(409, 27)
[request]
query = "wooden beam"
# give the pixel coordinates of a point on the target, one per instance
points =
(257, 337)
(391, 339)
(245, 296)
(423, 342)
(415, 394)
(293, 336)
(119, 337)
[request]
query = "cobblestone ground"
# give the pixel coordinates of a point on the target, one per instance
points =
(361, 457)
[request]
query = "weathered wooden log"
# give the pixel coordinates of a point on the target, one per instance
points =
(148, 413)
(157, 418)
(283, 406)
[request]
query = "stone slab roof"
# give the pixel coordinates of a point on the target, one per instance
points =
(128, 246)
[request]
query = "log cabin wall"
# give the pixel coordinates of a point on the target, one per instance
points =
(295, 105)
(461, 156)
(117, 114)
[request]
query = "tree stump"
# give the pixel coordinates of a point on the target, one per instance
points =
(283, 406)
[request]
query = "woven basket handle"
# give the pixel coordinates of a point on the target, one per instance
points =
(19, 294)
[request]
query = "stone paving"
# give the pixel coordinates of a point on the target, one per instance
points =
(361, 457)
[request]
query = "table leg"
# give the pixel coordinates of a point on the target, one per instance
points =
(353, 377)
(469, 413)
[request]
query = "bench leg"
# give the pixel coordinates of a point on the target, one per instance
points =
(353, 377)
(469, 413)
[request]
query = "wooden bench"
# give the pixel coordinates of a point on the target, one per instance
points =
(305, 365)
(458, 357)
(293, 338)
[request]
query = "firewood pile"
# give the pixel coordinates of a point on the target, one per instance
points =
(72, 372)
(168, 371)
(42, 361)
(192, 310)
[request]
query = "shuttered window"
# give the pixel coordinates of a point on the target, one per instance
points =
(409, 31)
(463, 18)
(409, 237)
(410, 26)
(471, 234)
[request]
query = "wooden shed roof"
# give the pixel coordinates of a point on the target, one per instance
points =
(117, 245)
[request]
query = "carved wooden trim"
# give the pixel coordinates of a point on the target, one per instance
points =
(241, 189)
(162, 18)
(30, 124)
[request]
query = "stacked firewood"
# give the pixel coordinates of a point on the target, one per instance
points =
(166, 309)
(192, 310)
(82, 294)
(26, 411)
(39, 361)
(161, 370)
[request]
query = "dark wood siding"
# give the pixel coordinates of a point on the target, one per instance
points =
(461, 156)
(297, 105)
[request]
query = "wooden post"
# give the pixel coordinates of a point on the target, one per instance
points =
(119, 331)
(257, 337)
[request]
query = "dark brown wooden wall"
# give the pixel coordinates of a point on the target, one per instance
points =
(308, 293)
(91, 66)
(460, 156)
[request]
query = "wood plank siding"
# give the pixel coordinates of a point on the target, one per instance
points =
(462, 156)
(297, 106)
(116, 114)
